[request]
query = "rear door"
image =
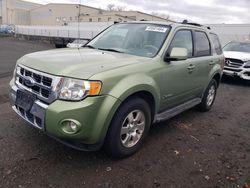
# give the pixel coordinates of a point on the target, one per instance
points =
(218, 57)
(203, 60)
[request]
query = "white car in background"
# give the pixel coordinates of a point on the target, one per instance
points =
(78, 43)
(237, 59)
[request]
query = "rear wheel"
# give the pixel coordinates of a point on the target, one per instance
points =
(208, 97)
(128, 129)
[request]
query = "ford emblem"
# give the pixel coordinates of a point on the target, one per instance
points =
(30, 82)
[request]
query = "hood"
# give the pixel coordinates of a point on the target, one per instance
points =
(77, 63)
(237, 55)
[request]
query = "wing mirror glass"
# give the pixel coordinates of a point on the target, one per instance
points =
(177, 54)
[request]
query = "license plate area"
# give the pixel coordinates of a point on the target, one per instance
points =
(25, 100)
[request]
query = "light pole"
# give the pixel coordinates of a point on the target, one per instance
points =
(1, 11)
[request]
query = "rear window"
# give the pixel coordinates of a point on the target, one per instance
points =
(216, 43)
(202, 45)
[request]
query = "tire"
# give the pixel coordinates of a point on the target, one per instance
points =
(208, 97)
(128, 128)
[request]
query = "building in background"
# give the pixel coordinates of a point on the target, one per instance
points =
(19, 12)
(16, 12)
(62, 14)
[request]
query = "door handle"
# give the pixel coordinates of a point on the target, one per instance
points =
(191, 68)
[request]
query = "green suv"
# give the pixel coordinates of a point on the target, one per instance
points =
(109, 92)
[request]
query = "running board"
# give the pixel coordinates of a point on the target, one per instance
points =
(176, 110)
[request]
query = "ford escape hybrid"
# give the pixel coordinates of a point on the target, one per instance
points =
(109, 92)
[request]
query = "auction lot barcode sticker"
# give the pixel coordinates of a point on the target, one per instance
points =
(157, 29)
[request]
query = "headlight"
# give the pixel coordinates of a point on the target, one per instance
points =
(75, 90)
(17, 69)
(247, 64)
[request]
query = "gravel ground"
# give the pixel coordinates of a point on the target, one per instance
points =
(191, 150)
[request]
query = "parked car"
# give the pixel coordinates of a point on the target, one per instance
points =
(237, 62)
(111, 91)
(7, 29)
(61, 42)
(78, 43)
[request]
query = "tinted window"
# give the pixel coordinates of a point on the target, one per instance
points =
(216, 43)
(202, 45)
(183, 39)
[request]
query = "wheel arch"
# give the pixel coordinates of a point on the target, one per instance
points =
(217, 78)
(148, 97)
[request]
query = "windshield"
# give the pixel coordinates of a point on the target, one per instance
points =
(136, 39)
(238, 47)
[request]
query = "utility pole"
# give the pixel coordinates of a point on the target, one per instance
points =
(1, 11)
(79, 14)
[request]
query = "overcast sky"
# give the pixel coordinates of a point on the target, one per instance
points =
(202, 11)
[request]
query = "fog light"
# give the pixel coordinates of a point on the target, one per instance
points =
(70, 126)
(73, 126)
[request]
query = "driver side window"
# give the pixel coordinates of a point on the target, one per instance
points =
(182, 39)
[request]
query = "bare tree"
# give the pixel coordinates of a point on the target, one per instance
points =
(111, 7)
(120, 8)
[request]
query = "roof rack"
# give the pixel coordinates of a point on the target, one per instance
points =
(195, 24)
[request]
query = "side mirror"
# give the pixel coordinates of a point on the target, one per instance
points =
(177, 54)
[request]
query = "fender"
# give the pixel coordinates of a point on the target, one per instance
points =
(136, 83)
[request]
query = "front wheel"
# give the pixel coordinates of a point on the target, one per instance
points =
(208, 97)
(128, 128)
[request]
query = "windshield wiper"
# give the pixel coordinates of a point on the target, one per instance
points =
(89, 46)
(110, 50)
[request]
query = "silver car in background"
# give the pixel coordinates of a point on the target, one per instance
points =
(237, 61)
(78, 43)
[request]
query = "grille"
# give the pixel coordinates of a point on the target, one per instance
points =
(41, 84)
(233, 69)
(36, 121)
(234, 63)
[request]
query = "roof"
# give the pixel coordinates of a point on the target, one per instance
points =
(140, 13)
(69, 4)
(24, 1)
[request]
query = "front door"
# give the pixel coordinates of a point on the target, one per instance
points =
(177, 83)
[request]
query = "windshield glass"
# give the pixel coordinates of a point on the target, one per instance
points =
(136, 39)
(238, 47)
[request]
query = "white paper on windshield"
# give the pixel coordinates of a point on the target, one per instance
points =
(157, 29)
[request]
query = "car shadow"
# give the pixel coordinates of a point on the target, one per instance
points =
(235, 81)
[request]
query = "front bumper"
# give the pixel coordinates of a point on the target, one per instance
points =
(94, 114)
(243, 73)
(35, 116)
